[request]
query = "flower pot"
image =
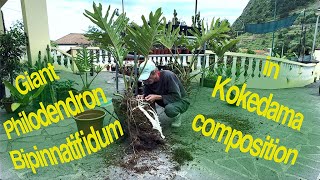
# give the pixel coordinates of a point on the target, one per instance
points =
(90, 118)
(108, 67)
(208, 82)
(7, 106)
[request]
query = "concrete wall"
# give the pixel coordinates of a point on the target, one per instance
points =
(35, 21)
(1, 23)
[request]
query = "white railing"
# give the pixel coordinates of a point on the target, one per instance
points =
(291, 74)
(183, 59)
(62, 60)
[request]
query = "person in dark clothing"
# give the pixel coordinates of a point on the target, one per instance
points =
(164, 88)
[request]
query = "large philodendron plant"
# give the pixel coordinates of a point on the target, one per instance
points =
(170, 38)
(119, 37)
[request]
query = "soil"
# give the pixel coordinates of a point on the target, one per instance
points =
(141, 132)
(138, 127)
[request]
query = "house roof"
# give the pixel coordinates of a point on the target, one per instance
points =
(73, 39)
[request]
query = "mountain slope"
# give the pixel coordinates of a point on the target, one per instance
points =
(288, 39)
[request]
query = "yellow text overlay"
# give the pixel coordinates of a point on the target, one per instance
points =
(252, 102)
(76, 147)
(45, 116)
(267, 149)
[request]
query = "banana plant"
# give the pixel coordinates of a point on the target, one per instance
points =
(22, 100)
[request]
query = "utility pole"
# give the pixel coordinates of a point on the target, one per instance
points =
(195, 13)
(122, 7)
(303, 36)
(274, 18)
(315, 33)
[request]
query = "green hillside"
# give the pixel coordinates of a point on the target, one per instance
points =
(288, 39)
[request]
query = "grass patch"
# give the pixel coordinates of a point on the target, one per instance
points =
(237, 123)
(181, 156)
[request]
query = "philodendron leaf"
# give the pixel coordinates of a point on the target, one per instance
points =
(15, 106)
(38, 92)
(12, 89)
(142, 38)
(111, 32)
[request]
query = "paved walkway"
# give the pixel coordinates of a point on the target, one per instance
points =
(210, 160)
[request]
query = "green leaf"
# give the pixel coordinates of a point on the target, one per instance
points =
(38, 92)
(15, 106)
(141, 39)
(168, 36)
(14, 91)
(110, 36)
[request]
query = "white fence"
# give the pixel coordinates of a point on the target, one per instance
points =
(291, 74)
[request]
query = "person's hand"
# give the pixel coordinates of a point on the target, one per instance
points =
(140, 97)
(153, 97)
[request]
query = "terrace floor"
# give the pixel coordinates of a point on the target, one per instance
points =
(210, 159)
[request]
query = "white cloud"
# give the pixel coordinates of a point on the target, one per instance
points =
(66, 16)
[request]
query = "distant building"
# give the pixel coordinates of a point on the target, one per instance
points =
(72, 40)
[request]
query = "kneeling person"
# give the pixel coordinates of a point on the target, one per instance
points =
(164, 88)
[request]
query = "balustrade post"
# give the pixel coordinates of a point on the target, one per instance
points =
(199, 62)
(207, 60)
(250, 70)
(256, 69)
(234, 69)
(216, 59)
(242, 70)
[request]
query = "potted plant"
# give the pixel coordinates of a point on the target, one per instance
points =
(85, 65)
(6, 103)
(22, 101)
(108, 67)
(119, 37)
(63, 87)
(209, 79)
(49, 94)
(113, 67)
(12, 49)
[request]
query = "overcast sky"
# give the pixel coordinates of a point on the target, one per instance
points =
(66, 16)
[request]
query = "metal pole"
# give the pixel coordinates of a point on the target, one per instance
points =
(282, 49)
(2, 87)
(315, 37)
(274, 18)
(304, 35)
(117, 77)
(136, 72)
(203, 65)
(195, 13)
(122, 7)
